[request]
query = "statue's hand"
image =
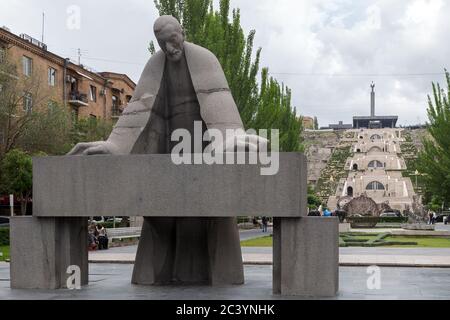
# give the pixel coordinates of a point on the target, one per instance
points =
(247, 142)
(93, 148)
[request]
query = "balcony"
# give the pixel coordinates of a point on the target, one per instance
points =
(78, 99)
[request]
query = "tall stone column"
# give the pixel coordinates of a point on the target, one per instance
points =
(306, 256)
(43, 248)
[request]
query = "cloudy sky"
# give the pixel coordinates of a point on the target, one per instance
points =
(327, 51)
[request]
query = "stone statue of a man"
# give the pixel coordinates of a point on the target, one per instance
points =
(180, 85)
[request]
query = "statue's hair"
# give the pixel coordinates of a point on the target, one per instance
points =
(163, 21)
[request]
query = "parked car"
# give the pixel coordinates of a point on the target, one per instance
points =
(99, 219)
(391, 214)
(440, 217)
(4, 221)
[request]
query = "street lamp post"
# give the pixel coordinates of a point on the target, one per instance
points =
(11, 204)
(416, 174)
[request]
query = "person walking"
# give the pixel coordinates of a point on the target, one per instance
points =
(264, 224)
(102, 238)
(430, 217)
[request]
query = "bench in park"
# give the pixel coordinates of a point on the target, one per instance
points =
(66, 190)
(123, 233)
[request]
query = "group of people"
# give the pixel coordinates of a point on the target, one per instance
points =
(264, 223)
(322, 212)
(97, 237)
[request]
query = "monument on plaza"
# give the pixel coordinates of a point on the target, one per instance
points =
(190, 233)
(181, 84)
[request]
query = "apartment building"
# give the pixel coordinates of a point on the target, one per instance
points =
(86, 93)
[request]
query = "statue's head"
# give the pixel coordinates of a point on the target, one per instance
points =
(170, 36)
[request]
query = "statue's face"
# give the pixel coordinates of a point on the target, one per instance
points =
(171, 39)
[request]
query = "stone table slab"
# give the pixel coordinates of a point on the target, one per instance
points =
(153, 186)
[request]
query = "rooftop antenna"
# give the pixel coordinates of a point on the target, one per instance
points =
(79, 56)
(43, 26)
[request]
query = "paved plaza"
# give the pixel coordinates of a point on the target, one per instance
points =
(352, 256)
(389, 257)
(112, 281)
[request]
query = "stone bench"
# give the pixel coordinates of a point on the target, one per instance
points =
(123, 233)
(66, 190)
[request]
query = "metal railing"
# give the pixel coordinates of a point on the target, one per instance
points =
(76, 96)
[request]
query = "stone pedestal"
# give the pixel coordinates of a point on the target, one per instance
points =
(306, 256)
(43, 248)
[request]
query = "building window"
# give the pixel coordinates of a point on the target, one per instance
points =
(27, 64)
(93, 93)
(51, 77)
(2, 54)
(375, 186)
(350, 192)
(375, 164)
(27, 102)
(115, 106)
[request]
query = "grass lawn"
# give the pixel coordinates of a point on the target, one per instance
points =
(259, 242)
(5, 253)
(422, 242)
(365, 237)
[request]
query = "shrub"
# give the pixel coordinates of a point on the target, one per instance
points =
(4, 236)
(393, 220)
(363, 222)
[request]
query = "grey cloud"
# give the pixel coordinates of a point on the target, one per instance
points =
(319, 37)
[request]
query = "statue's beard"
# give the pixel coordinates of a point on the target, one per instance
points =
(175, 55)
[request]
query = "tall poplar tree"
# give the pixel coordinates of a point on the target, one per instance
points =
(262, 106)
(434, 160)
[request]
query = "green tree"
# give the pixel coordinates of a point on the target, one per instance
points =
(316, 124)
(267, 106)
(48, 132)
(16, 176)
(42, 126)
(434, 160)
(314, 201)
(90, 129)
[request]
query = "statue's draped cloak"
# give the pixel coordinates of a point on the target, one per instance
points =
(164, 253)
(139, 129)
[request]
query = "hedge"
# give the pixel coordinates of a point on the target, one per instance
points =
(363, 222)
(4, 236)
(393, 220)
(372, 221)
